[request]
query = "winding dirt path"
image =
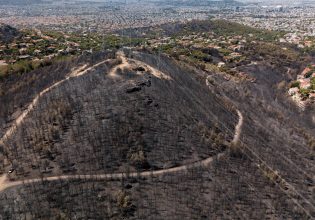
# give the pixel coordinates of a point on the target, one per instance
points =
(5, 183)
(155, 72)
(124, 64)
(75, 73)
(238, 128)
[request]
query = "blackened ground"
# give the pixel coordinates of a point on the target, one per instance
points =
(170, 121)
(125, 121)
(232, 188)
(275, 128)
(16, 91)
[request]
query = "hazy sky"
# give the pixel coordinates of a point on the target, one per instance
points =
(280, 1)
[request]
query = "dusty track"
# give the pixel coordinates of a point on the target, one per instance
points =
(76, 73)
(238, 128)
(124, 64)
(5, 183)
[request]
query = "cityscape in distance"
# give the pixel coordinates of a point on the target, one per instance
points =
(157, 109)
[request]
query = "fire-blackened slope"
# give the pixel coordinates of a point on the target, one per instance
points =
(133, 117)
(7, 33)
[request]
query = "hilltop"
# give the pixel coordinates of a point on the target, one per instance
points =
(193, 123)
(7, 33)
(143, 126)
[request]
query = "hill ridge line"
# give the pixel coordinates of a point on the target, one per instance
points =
(5, 184)
(76, 73)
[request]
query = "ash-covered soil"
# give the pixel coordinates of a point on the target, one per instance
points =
(275, 130)
(232, 188)
(119, 119)
(138, 119)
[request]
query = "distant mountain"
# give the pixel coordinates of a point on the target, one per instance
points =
(200, 2)
(7, 33)
(21, 2)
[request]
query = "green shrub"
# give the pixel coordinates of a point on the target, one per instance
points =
(4, 70)
(309, 74)
(198, 55)
(22, 67)
(295, 84)
(305, 93)
(223, 27)
(313, 83)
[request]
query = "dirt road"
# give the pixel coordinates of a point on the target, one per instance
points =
(5, 183)
(76, 73)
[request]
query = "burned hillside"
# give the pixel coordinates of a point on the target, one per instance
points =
(119, 120)
(141, 136)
